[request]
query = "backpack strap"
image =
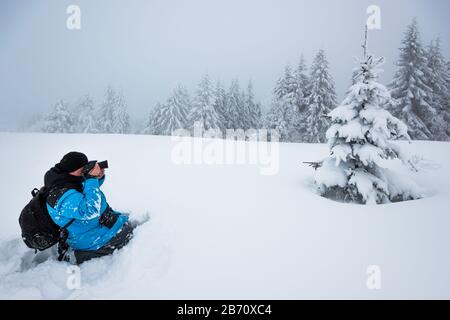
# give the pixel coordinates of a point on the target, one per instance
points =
(62, 242)
(68, 224)
(54, 195)
(34, 192)
(52, 199)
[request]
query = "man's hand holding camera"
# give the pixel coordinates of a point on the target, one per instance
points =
(95, 169)
(97, 172)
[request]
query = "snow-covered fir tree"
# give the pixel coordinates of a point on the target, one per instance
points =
(85, 115)
(302, 93)
(235, 107)
(359, 141)
(173, 114)
(439, 82)
(105, 120)
(121, 119)
(283, 115)
(252, 109)
(203, 110)
(286, 84)
(221, 104)
(60, 120)
(410, 86)
(321, 100)
(302, 87)
(279, 118)
(113, 117)
(151, 126)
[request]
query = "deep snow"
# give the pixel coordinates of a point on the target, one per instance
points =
(228, 232)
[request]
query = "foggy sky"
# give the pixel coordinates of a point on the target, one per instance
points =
(146, 47)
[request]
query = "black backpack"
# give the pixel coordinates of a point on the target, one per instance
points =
(39, 232)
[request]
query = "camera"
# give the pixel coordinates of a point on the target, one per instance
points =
(108, 218)
(91, 164)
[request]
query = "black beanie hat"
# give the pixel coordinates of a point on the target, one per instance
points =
(72, 161)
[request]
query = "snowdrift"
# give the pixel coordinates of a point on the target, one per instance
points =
(226, 231)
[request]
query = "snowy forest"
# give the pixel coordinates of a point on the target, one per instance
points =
(303, 98)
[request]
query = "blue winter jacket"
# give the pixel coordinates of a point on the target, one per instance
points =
(85, 233)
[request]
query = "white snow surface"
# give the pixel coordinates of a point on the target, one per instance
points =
(227, 232)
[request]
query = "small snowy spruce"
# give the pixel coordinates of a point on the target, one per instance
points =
(359, 143)
(60, 120)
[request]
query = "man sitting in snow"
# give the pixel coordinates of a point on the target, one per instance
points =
(76, 201)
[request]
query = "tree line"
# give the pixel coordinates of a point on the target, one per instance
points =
(111, 116)
(302, 99)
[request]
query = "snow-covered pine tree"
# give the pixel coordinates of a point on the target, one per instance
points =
(302, 93)
(173, 114)
(235, 107)
(252, 109)
(321, 100)
(60, 120)
(410, 86)
(151, 126)
(286, 84)
(439, 82)
(203, 110)
(359, 141)
(112, 115)
(121, 119)
(283, 115)
(105, 120)
(279, 118)
(302, 87)
(85, 115)
(221, 104)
